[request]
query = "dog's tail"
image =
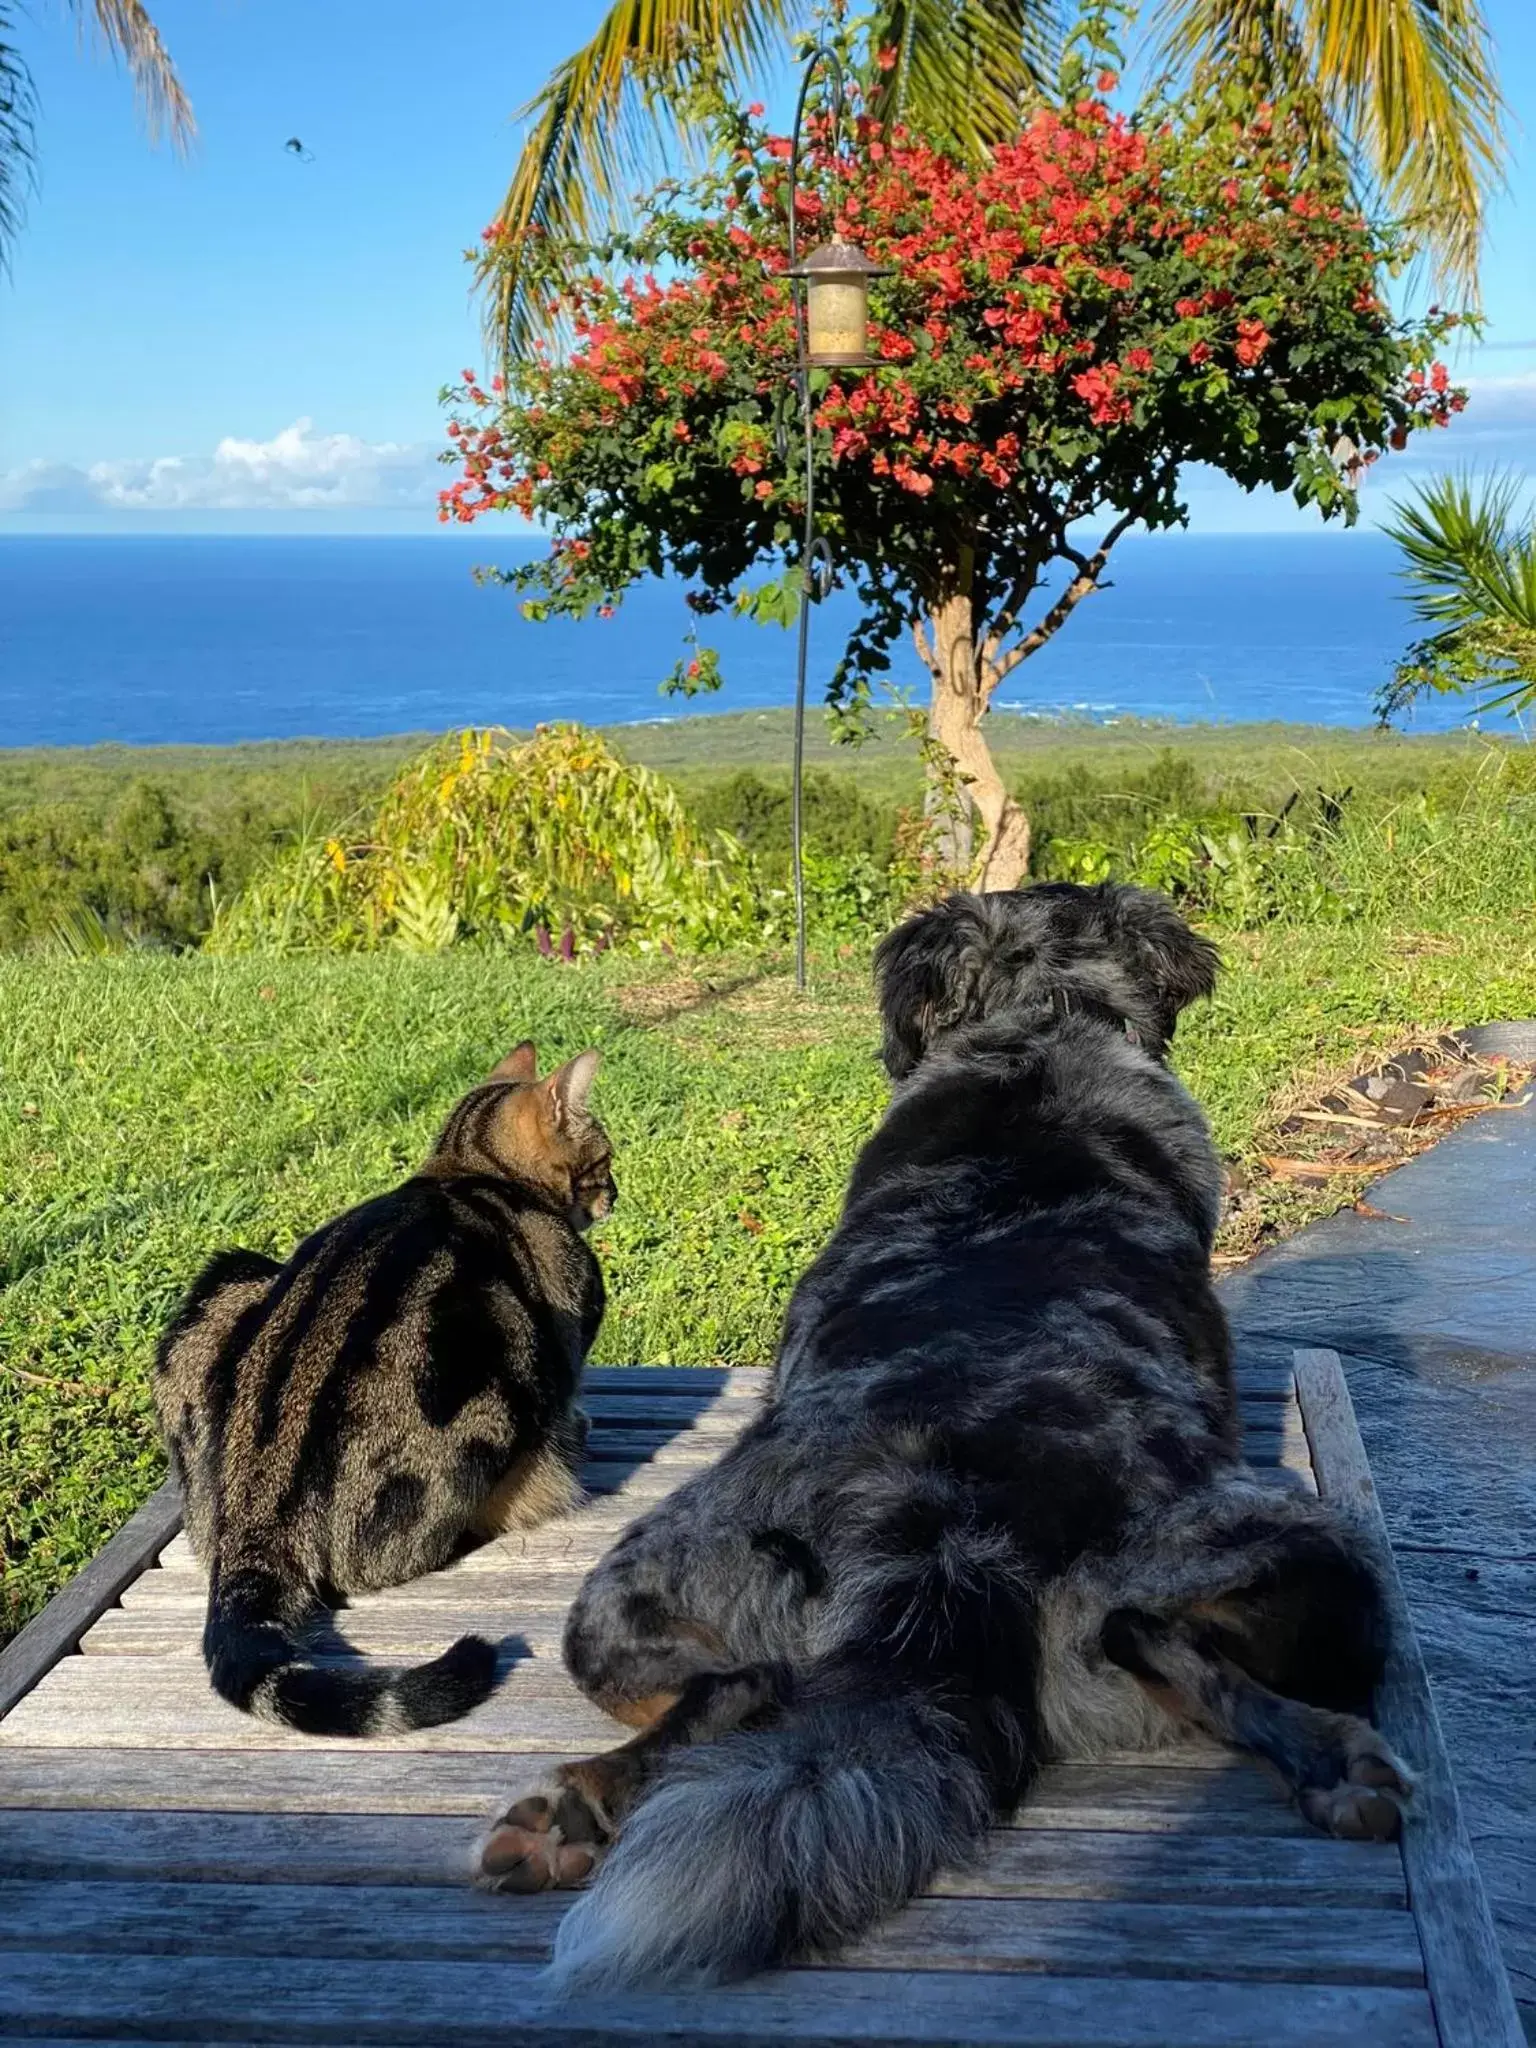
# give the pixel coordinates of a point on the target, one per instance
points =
(256, 1663)
(781, 1841)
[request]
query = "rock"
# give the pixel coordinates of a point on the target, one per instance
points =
(1470, 1084)
(1402, 1101)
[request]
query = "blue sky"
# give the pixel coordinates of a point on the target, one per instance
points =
(244, 341)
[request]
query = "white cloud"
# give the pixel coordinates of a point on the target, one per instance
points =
(1497, 431)
(297, 470)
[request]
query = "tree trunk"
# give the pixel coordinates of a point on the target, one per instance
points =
(979, 799)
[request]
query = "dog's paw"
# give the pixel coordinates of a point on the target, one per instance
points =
(1371, 1762)
(1354, 1813)
(552, 1839)
(1366, 1803)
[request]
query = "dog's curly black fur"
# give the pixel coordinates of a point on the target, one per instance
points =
(993, 1511)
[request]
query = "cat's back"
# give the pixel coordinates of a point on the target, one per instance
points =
(404, 1310)
(362, 1295)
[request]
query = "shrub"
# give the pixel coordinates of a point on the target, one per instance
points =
(141, 873)
(489, 838)
(1327, 857)
(841, 822)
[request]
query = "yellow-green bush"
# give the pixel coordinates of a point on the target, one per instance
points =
(489, 837)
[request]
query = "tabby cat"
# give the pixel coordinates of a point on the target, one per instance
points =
(404, 1388)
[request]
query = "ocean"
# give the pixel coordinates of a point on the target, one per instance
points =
(150, 639)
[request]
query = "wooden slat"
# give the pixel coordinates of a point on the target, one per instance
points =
(202, 1999)
(697, 1380)
(1232, 1797)
(361, 1779)
(415, 1849)
(579, 1538)
(157, 1705)
(56, 1631)
(1260, 1378)
(1093, 1938)
(644, 1480)
(167, 1703)
(711, 1414)
(531, 1587)
(1468, 1984)
(409, 1631)
(652, 1445)
(311, 1780)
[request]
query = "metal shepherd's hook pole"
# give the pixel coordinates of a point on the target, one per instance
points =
(815, 556)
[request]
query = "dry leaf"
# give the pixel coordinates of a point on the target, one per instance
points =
(1299, 1169)
(1378, 1215)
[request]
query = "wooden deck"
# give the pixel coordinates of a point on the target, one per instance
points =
(171, 1870)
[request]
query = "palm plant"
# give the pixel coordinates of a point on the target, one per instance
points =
(1469, 552)
(1407, 89)
(128, 32)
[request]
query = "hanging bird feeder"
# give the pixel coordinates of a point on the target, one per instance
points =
(836, 279)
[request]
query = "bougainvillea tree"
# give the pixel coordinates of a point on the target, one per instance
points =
(1114, 297)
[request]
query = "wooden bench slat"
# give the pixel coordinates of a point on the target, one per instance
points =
(171, 1706)
(414, 1849)
(538, 1586)
(406, 1632)
(1237, 1799)
(664, 1445)
(165, 1703)
(55, 1632)
(1272, 1944)
(361, 1779)
(709, 1414)
(1253, 1376)
(1468, 1983)
(201, 1998)
(579, 1538)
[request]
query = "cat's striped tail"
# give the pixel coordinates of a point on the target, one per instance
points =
(257, 1664)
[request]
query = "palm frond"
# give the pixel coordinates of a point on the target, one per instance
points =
(598, 121)
(1469, 560)
(964, 67)
(130, 34)
(1410, 84)
(1469, 555)
(17, 108)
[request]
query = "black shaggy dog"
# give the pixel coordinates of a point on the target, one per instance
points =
(993, 1511)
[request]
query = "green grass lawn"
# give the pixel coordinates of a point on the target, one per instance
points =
(153, 1109)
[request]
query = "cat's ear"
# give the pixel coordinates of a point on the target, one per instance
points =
(521, 1064)
(569, 1087)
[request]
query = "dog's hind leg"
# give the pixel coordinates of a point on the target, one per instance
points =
(1345, 1778)
(555, 1835)
(684, 1632)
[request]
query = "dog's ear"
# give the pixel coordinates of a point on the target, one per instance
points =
(1180, 963)
(928, 972)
